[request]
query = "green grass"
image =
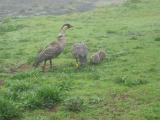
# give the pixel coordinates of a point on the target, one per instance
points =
(125, 86)
(8, 110)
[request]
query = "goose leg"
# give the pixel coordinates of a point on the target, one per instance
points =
(50, 63)
(77, 63)
(77, 60)
(44, 66)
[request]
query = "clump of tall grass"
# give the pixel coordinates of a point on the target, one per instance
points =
(45, 97)
(8, 111)
(65, 85)
(124, 80)
(28, 74)
(95, 100)
(75, 104)
(17, 88)
(157, 39)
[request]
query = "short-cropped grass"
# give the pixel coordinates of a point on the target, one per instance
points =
(8, 25)
(124, 86)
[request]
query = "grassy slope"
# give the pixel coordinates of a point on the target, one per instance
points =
(126, 86)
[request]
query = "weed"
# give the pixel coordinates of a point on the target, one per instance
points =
(45, 97)
(111, 32)
(75, 104)
(16, 90)
(157, 39)
(131, 82)
(65, 85)
(134, 38)
(95, 100)
(24, 75)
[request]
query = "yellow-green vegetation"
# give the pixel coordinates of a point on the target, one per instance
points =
(126, 86)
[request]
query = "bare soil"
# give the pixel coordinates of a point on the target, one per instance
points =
(20, 68)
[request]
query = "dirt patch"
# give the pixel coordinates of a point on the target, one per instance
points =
(54, 109)
(48, 7)
(20, 68)
(24, 67)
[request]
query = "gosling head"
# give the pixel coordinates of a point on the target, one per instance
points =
(102, 54)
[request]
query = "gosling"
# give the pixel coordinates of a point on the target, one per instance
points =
(98, 57)
(79, 52)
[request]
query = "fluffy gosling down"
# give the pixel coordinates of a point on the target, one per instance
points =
(79, 52)
(98, 57)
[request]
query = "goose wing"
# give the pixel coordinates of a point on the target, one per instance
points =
(50, 52)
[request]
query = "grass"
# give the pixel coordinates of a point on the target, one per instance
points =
(75, 104)
(8, 110)
(45, 97)
(125, 86)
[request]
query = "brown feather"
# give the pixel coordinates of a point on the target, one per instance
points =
(53, 49)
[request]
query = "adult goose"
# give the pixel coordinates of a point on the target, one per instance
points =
(53, 49)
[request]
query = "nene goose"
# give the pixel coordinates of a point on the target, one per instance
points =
(98, 57)
(79, 52)
(53, 49)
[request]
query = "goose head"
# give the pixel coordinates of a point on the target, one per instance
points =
(66, 26)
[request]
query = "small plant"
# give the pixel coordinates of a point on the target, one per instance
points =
(134, 38)
(130, 82)
(140, 82)
(157, 39)
(17, 88)
(65, 85)
(121, 80)
(95, 100)
(20, 86)
(75, 104)
(97, 76)
(8, 111)
(45, 97)
(111, 32)
(28, 74)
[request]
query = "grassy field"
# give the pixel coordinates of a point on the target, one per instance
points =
(126, 86)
